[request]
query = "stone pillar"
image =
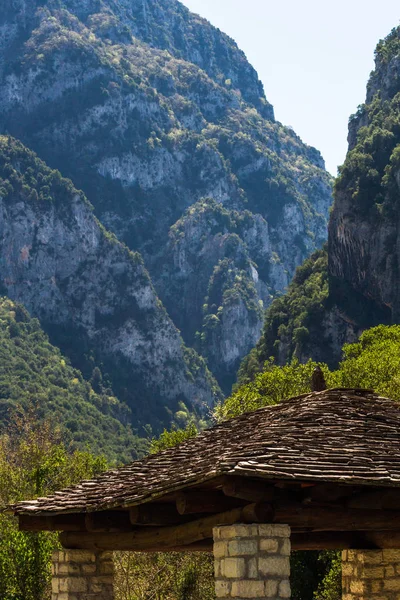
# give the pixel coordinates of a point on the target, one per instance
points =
(371, 574)
(252, 561)
(82, 575)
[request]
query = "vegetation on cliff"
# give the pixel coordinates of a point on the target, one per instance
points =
(363, 232)
(92, 295)
(353, 285)
(34, 371)
(369, 171)
(293, 320)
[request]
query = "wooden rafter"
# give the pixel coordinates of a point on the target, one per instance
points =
(247, 489)
(166, 537)
(319, 521)
(195, 502)
(156, 514)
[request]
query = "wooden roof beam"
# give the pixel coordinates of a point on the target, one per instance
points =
(245, 489)
(339, 540)
(377, 499)
(165, 538)
(149, 540)
(69, 522)
(328, 492)
(198, 502)
(322, 518)
(156, 514)
(109, 520)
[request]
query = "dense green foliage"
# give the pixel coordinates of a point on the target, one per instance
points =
(293, 319)
(32, 369)
(24, 175)
(372, 363)
(316, 575)
(33, 462)
(169, 439)
(371, 165)
(269, 387)
(164, 576)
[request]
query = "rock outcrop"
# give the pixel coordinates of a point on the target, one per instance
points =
(364, 240)
(90, 292)
(212, 285)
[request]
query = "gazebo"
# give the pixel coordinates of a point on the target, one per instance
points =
(319, 471)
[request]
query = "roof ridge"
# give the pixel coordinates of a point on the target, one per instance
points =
(300, 438)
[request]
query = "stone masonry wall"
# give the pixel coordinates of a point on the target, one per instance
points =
(252, 561)
(82, 575)
(371, 574)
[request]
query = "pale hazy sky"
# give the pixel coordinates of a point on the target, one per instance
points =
(313, 56)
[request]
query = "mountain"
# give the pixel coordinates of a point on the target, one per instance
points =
(34, 371)
(355, 283)
(91, 293)
(154, 114)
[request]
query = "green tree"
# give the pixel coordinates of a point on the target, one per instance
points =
(169, 439)
(373, 362)
(33, 462)
(97, 380)
(270, 387)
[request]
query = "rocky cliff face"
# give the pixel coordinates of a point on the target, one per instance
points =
(149, 109)
(356, 284)
(364, 241)
(212, 286)
(91, 292)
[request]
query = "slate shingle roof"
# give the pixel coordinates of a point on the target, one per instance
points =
(343, 436)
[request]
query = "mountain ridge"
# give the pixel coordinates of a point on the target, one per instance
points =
(125, 104)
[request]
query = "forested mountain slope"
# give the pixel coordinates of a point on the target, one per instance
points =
(34, 375)
(150, 109)
(91, 293)
(356, 284)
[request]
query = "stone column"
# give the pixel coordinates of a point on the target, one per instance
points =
(371, 574)
(252, 561)
(82, 575)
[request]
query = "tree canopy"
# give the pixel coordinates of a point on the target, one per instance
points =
(32, 369)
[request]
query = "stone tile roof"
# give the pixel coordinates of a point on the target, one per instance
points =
(343, 436)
